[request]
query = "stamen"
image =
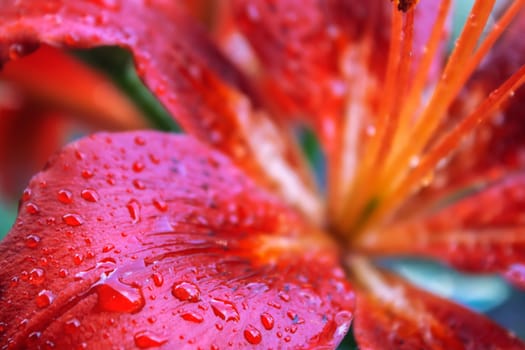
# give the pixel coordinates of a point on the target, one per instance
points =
(451, 82)
(446, 144)
(413, 101)
(451, 140)
(353, 204)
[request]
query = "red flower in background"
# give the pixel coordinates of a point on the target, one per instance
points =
(220, 239)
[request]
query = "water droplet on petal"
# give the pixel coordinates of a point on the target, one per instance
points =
(44, 298)
(89, 195)
(186, 291)
(71, 326)
(78, 259)
(116, 296)
(158, 279)
(192, 317)
(65, 196)
(160, 205)
(267, 320)
(138, 167)
(284, 296)
(139, 140)
(139, 185)
(32, 208)
(36, 276)
(134, 210)
(224, 309)
(27, 194)
(252, 335)
(146, 339)
(87, 174)
(73, 219)
(32, 241)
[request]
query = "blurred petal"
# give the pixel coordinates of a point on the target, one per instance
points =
(149, 239)
(195, 82)
(395, 315)
(325, 47)
(54, 78)
(482, 232)
(27, 137)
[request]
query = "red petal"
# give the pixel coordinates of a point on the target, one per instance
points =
(395, 315)
(52, 77)
(147, 239)
(205, 93)
(482, 232)
(27, 138)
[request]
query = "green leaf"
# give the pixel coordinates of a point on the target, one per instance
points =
(117, 63)
(7, 218)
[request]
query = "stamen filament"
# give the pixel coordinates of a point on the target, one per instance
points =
(352, 205)
(413, 101)
(452, 80)
(451, 140)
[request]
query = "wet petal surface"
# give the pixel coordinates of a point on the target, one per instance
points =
(149, 239)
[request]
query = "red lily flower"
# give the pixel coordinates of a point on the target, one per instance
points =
(220, 239)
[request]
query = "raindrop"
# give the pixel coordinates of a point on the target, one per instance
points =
(134, 210)
(252, 335)
(371, 130)
(32, 208)
(65, 196)
(73, 219)
(160, 205)
(192, 317)
(267, 320)
(224, 309)
(32, 241)
(139, 185)
(186, 291)
(414, 162)
(284, 296)
(78, 259)
(79, 155)
(89, 195)
(146, 339)
(158, 279)
(71, 326)
(138, 166)
(27, 194)
(87, 174)
(116, 296)
(107, 248)
(36, 276)
(44, 298)
(139, 140)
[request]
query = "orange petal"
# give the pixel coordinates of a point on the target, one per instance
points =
(56, 79)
